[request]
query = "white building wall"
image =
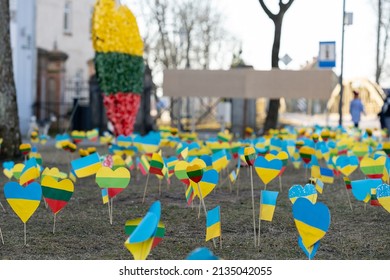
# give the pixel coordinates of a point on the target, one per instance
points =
(24, 57)
(77, 44)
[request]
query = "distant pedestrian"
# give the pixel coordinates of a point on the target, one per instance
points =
(356, 108)
(384, 115)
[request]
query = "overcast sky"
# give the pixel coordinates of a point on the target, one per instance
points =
(305, 24)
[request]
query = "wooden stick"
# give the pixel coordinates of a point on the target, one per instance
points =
(220, 241)
(200, 205)
(54, 224)
(306, 172)
(159, 187)
(112, 209)
(25, 234)
(280, 183)
(146, 185)
(258, 238)
(2, 207)
(349, 200)
(365, 206)
(238, 183)
(265, 186)
(202, 200)
(1, 235)
(230, 185)
(109, 208)
(253, 206)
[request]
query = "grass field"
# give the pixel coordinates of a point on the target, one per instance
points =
(83, 230)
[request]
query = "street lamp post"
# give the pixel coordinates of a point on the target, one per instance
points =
(341, 71)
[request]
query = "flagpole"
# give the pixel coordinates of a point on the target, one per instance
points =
(280, 183)
(54, 224)
(259, 221)
(1, 235)
(112, 205)
(146, 185)
(2, 207)
(349, 200)
(253, 206)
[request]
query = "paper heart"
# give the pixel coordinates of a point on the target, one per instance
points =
(52, 172)
(181, 172)
(373, 168)
(124, 141)
(360, 150)
(60, 139)
(383, 196)
(207, 184)
(306, 153)
(311, 220)
(361, 189)
(347, 164)
(25, 148)
(17, 170)
(267, 170)
(250, 155)
(8, 165)
(30, 172)
(308, 191)
(194, 172)
(283, 156)
(93, 135)
(56, 194)
(310, 252)
(8, 173)
(24, 201)
(108, 178)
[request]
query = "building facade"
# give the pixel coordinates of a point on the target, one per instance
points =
(51, 43)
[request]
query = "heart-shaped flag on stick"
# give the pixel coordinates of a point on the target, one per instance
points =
(56, 194)
(311, 220)
(113, 180)
(361, 189)
(195, 174)
(17, 170)
(373, 168)
(250, 155)
(24, 201)
(347, 164)
(267, 170)
(108, 178)
(206, 185)
(309, 192)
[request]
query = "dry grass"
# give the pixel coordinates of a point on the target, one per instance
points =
(83, 231)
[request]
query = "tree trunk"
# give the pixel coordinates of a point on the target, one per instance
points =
(9, 118)
(271, 120)
(378, 70)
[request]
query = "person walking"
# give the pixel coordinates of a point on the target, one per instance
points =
(356, 108)
(384, 115)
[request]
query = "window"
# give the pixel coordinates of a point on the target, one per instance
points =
(68, 18)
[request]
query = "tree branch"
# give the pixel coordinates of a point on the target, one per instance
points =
(267, 11)
(284, 7)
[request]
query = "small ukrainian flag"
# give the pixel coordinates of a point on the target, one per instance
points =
(267, 205)
(213, 223)
(105, 195)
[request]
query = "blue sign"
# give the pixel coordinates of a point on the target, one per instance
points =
(327, 55)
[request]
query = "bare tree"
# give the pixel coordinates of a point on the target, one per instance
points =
(382, 41)
(9, 120)
(183, 34)
(271, 119)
